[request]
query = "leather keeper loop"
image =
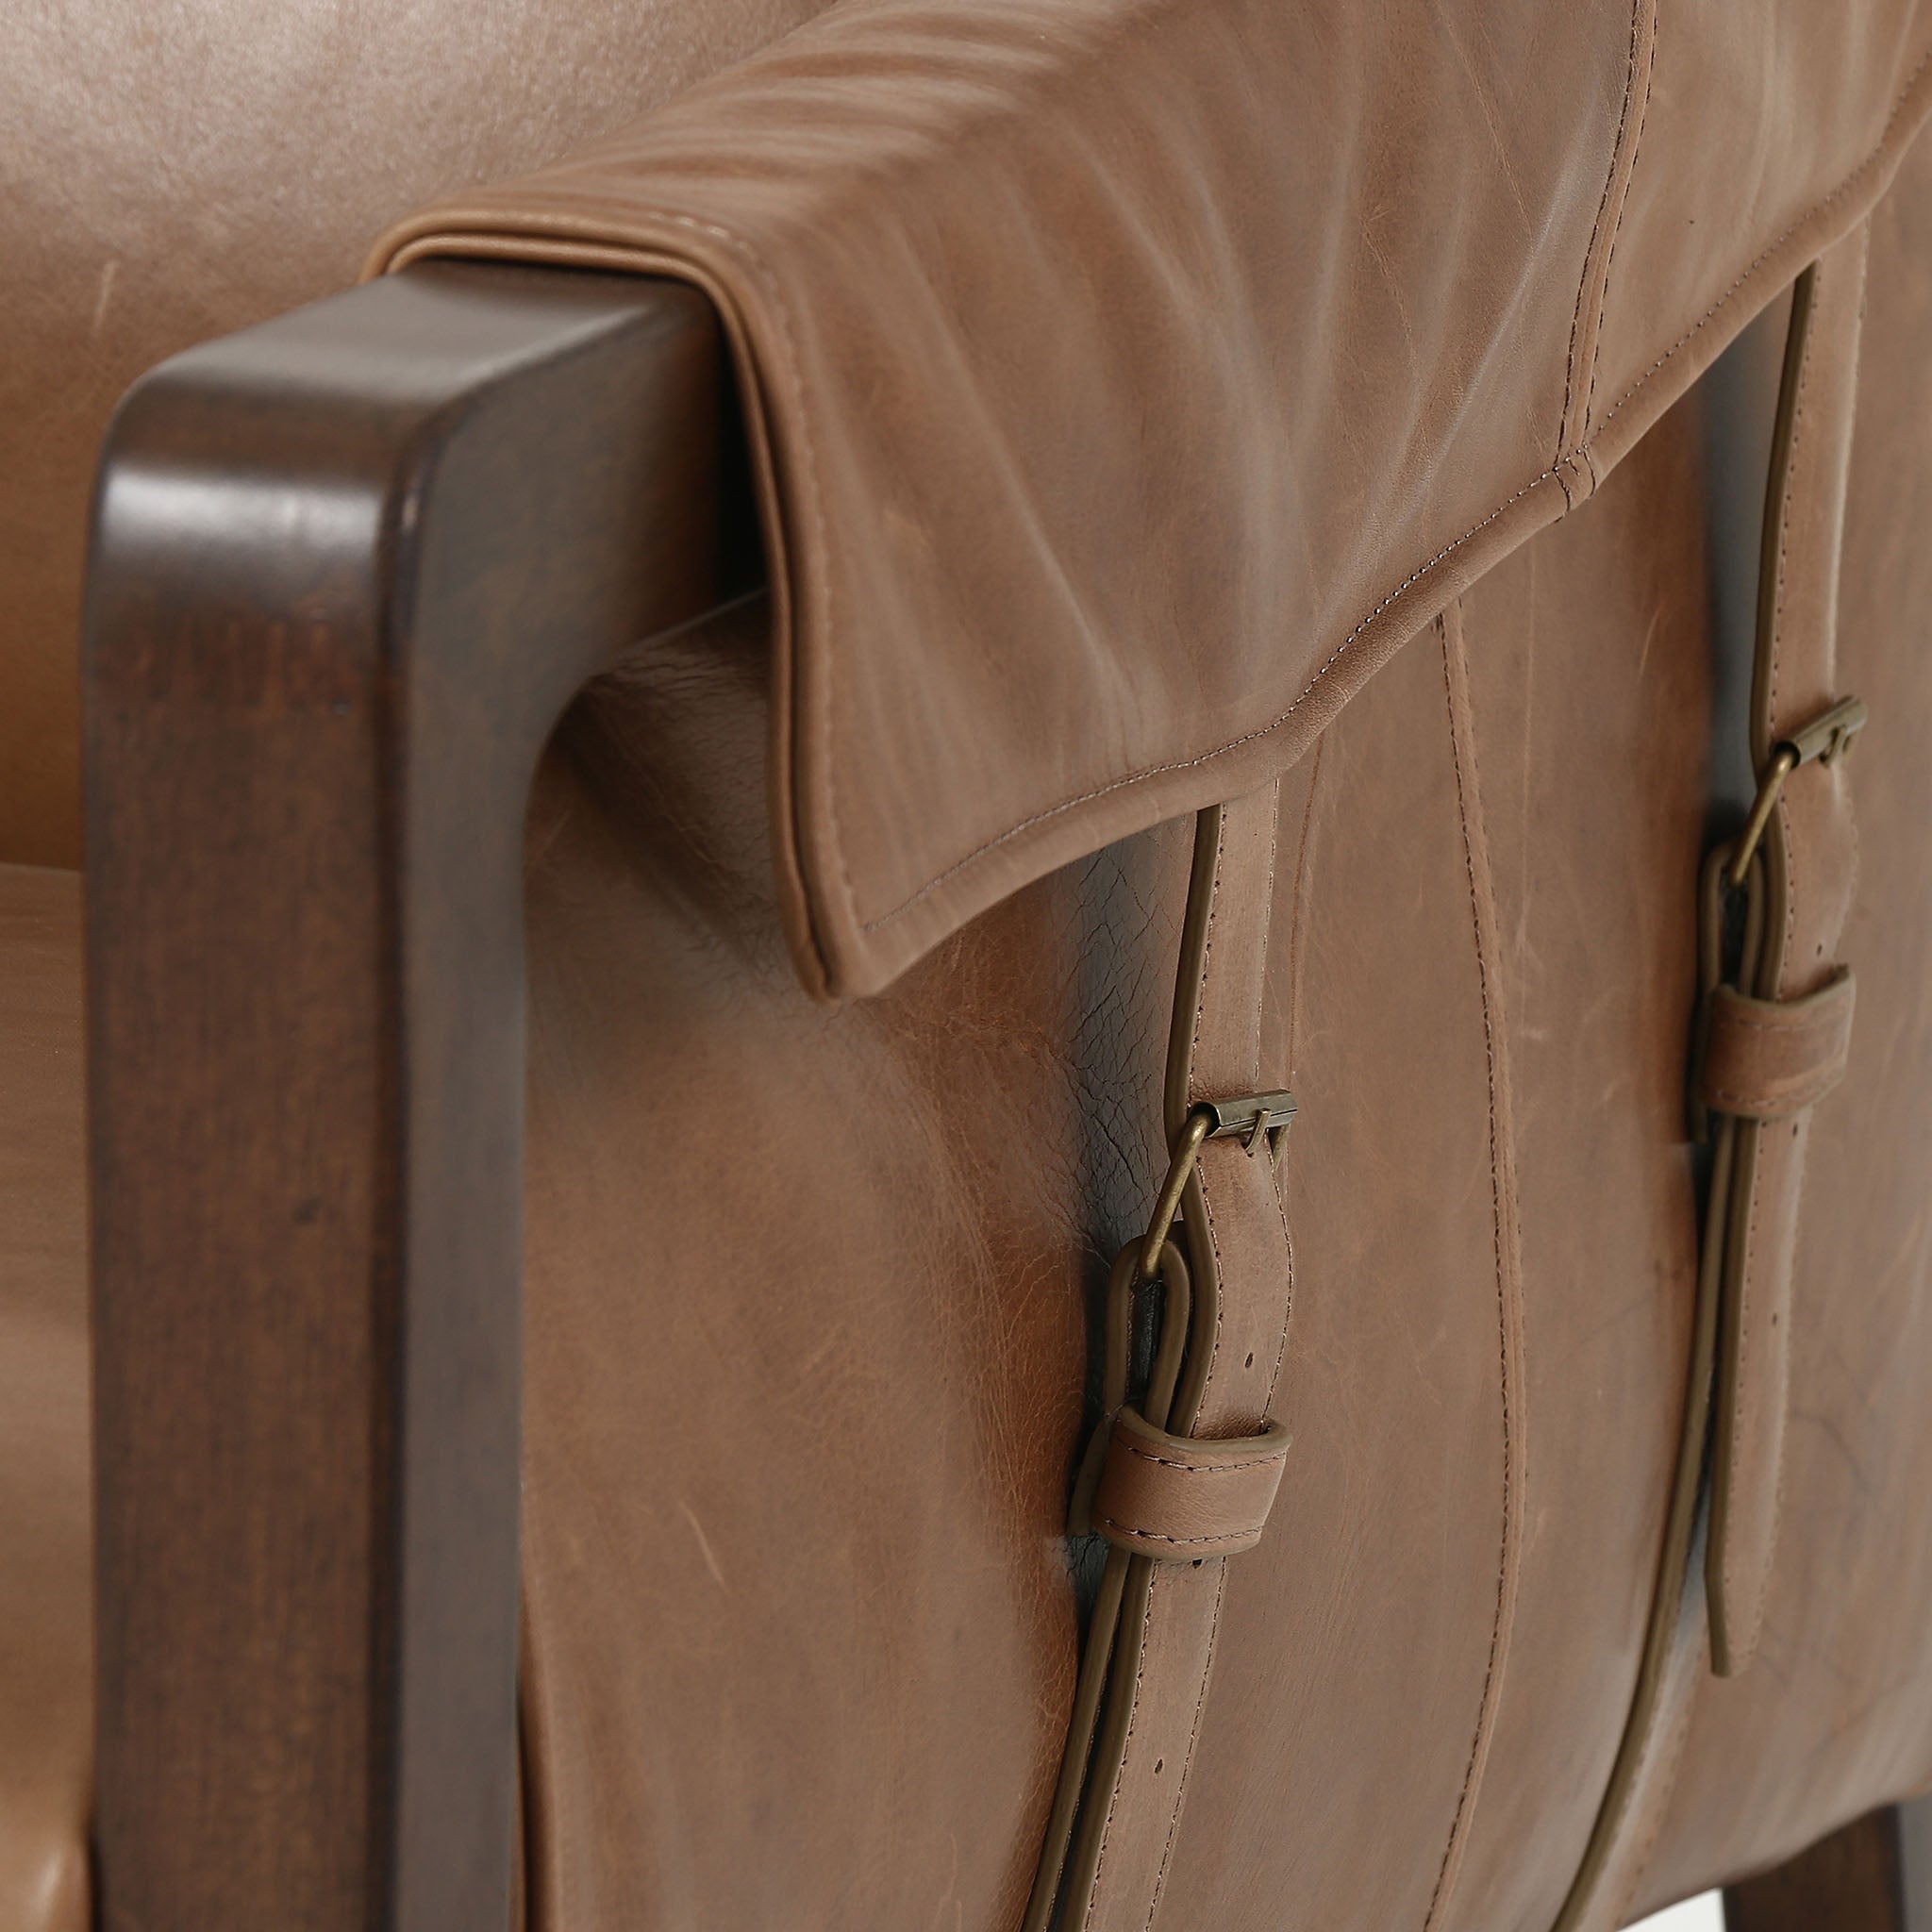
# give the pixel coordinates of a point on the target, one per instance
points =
(1182, 1497)
(1766, 1060)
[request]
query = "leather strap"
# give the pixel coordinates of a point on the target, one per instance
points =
(1203, 1464)
(1770, 1059)
(1798, 997)
(1176, 1497)
(1238, 1248)
(1720, 1531)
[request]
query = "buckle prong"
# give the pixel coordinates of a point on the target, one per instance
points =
(1826, 738)
(1254, 1119)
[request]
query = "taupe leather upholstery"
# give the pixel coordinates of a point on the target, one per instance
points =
(831, 1685)
(46, 1609)
(175, 173)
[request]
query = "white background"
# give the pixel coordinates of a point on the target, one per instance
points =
(1706, 1914)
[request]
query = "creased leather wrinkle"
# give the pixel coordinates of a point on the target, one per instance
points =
(1115, 368)
(1131, 379)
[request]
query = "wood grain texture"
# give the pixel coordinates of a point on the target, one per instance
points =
(348, 568)
(1874, 1875)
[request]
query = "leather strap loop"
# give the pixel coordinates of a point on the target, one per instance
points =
(1768, 1060)
(1179, 1497)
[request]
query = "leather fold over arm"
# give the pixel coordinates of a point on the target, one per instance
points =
(1131, 378)
(347, 570)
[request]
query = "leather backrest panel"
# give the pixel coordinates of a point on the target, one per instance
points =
(1493, 1226)
(858, 1659)
(172, 173)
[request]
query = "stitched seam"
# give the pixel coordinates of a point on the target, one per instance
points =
(1439, 1894)
(1777, 1500)
(1855, 379)
(1786, 497)
(1261, 1007)
(1206, 758)
(1767, 1097)
(1739, 1431)
(1590, 252)
(1194, 1060)
(754, 265)
(1113, 1798)
(1294, 924)
(1208, 944)
(1294, 996)
(1784, 1461)
(456, 233)
(1795, 1029)
(1153, 1536)
(1267, 923)
(1845, 188)
(1214, 1248)
(1188, 1758)
(1205, 1468)
(815, 490)
(1596, 343)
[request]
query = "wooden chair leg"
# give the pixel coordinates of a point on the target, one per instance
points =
(1874, 1875)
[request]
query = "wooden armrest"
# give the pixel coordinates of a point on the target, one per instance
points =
(348, 568)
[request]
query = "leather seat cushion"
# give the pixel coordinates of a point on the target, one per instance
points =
(45, 1601)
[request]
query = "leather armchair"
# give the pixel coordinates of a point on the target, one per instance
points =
(577, 1433)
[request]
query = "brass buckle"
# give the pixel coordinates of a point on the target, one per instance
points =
(1255, 1120)
(1823, 740)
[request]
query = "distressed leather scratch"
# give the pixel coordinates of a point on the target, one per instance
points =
(1130, 377)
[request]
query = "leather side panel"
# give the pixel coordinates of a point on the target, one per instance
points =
(807, 1335)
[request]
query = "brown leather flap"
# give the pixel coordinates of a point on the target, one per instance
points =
(1129, 378)
(1768, 1060)
(1180, 1497)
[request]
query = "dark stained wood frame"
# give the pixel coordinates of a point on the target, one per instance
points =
(1873, 1875)
(348, 570)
